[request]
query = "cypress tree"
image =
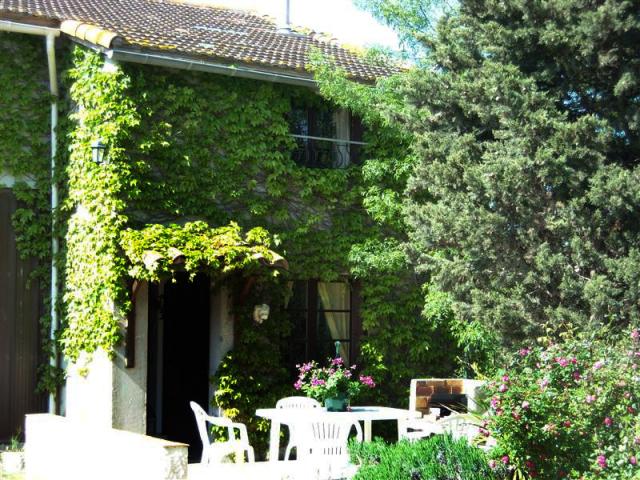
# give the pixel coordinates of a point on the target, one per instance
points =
(524, 204)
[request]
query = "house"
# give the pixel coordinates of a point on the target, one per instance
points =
(152, 113)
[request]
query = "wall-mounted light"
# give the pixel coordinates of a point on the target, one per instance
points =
(260, 313)
(98, 152)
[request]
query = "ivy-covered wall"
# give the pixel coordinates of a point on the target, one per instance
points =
(186, 146)
(25, 159)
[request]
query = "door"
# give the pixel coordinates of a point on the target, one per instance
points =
(179, 358)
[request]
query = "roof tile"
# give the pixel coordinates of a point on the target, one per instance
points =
(195, 30)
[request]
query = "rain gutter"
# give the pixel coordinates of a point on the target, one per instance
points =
(241, 71)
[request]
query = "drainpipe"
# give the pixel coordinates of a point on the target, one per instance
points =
(53, 87)
(50, 34)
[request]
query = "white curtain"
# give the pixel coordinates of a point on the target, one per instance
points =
(336, 296)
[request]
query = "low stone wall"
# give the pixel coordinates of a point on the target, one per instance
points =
(60, 449)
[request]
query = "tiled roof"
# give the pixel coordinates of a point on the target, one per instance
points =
(227, 35)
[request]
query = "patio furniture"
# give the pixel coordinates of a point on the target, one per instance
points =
(215, 452)
(451, 393)
(295, 403)
(323, 443)
(356, 414)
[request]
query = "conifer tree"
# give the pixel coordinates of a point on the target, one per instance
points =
(524, 204)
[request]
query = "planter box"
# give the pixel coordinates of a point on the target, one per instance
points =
(12, 462)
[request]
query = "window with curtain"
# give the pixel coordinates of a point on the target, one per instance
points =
(325, 138)
(323, 313)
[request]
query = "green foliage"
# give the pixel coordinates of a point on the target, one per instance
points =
(25, 155)
(215, 251)
(95, 268)
(569, 409)
(525, 143)
(252, 375)
(436, 458)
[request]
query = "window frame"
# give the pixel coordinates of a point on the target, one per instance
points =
(311, 320)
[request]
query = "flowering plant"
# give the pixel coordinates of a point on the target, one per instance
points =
(569, 410)
(335, 380)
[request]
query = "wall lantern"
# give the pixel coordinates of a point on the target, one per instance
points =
(260, 313)
(98, 152)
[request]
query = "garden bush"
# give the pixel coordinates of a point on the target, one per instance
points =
(435, 458)
(568, 409)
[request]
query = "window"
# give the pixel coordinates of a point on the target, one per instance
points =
(323, 313)
(325, 138)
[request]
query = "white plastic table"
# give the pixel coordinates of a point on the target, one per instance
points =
(367, 415)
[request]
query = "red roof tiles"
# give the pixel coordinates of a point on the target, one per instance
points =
(227, 35)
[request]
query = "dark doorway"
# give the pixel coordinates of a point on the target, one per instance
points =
(178, 358)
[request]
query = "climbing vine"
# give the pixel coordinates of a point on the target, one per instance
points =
(25, 156)
(188, 152)
(158, 251)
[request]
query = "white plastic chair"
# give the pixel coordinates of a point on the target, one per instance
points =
(417, 428)
(460, 425)
(216, 452)
(324, 441)
(295, 403)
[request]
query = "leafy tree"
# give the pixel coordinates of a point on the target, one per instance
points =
(523, 203)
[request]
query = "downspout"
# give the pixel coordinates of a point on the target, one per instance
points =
(50, 34)
(53, 87)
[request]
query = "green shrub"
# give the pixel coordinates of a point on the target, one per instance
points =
(435, 458)
(569, 409)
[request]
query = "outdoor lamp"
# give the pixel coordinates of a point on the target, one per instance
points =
(260, 313)
(98, 150)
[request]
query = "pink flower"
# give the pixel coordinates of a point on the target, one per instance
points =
(367, 380)
(505, 378)
(523, 352)
(525, 405)
(636, 440)
(608, 421)
(503, 388)
(563, 362)
(298, 385)
(505, 459)
(495, 402)
(635, 334)
(632, 460)
(598, 365)
(590, 398)
(567, 423)
(543, 383)
(492, 464)
(337, 361)
(576, 375)
(602, 461)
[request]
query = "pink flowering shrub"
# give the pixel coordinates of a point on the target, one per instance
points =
(332, 381)
(569, 410)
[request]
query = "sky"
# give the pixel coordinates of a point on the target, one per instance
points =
(340, 18)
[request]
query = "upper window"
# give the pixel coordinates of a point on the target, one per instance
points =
(325, 138)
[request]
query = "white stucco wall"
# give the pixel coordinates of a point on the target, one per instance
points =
(130, 384)
(220, 330)
(89, 386)
(58, 448)
(104, 393)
